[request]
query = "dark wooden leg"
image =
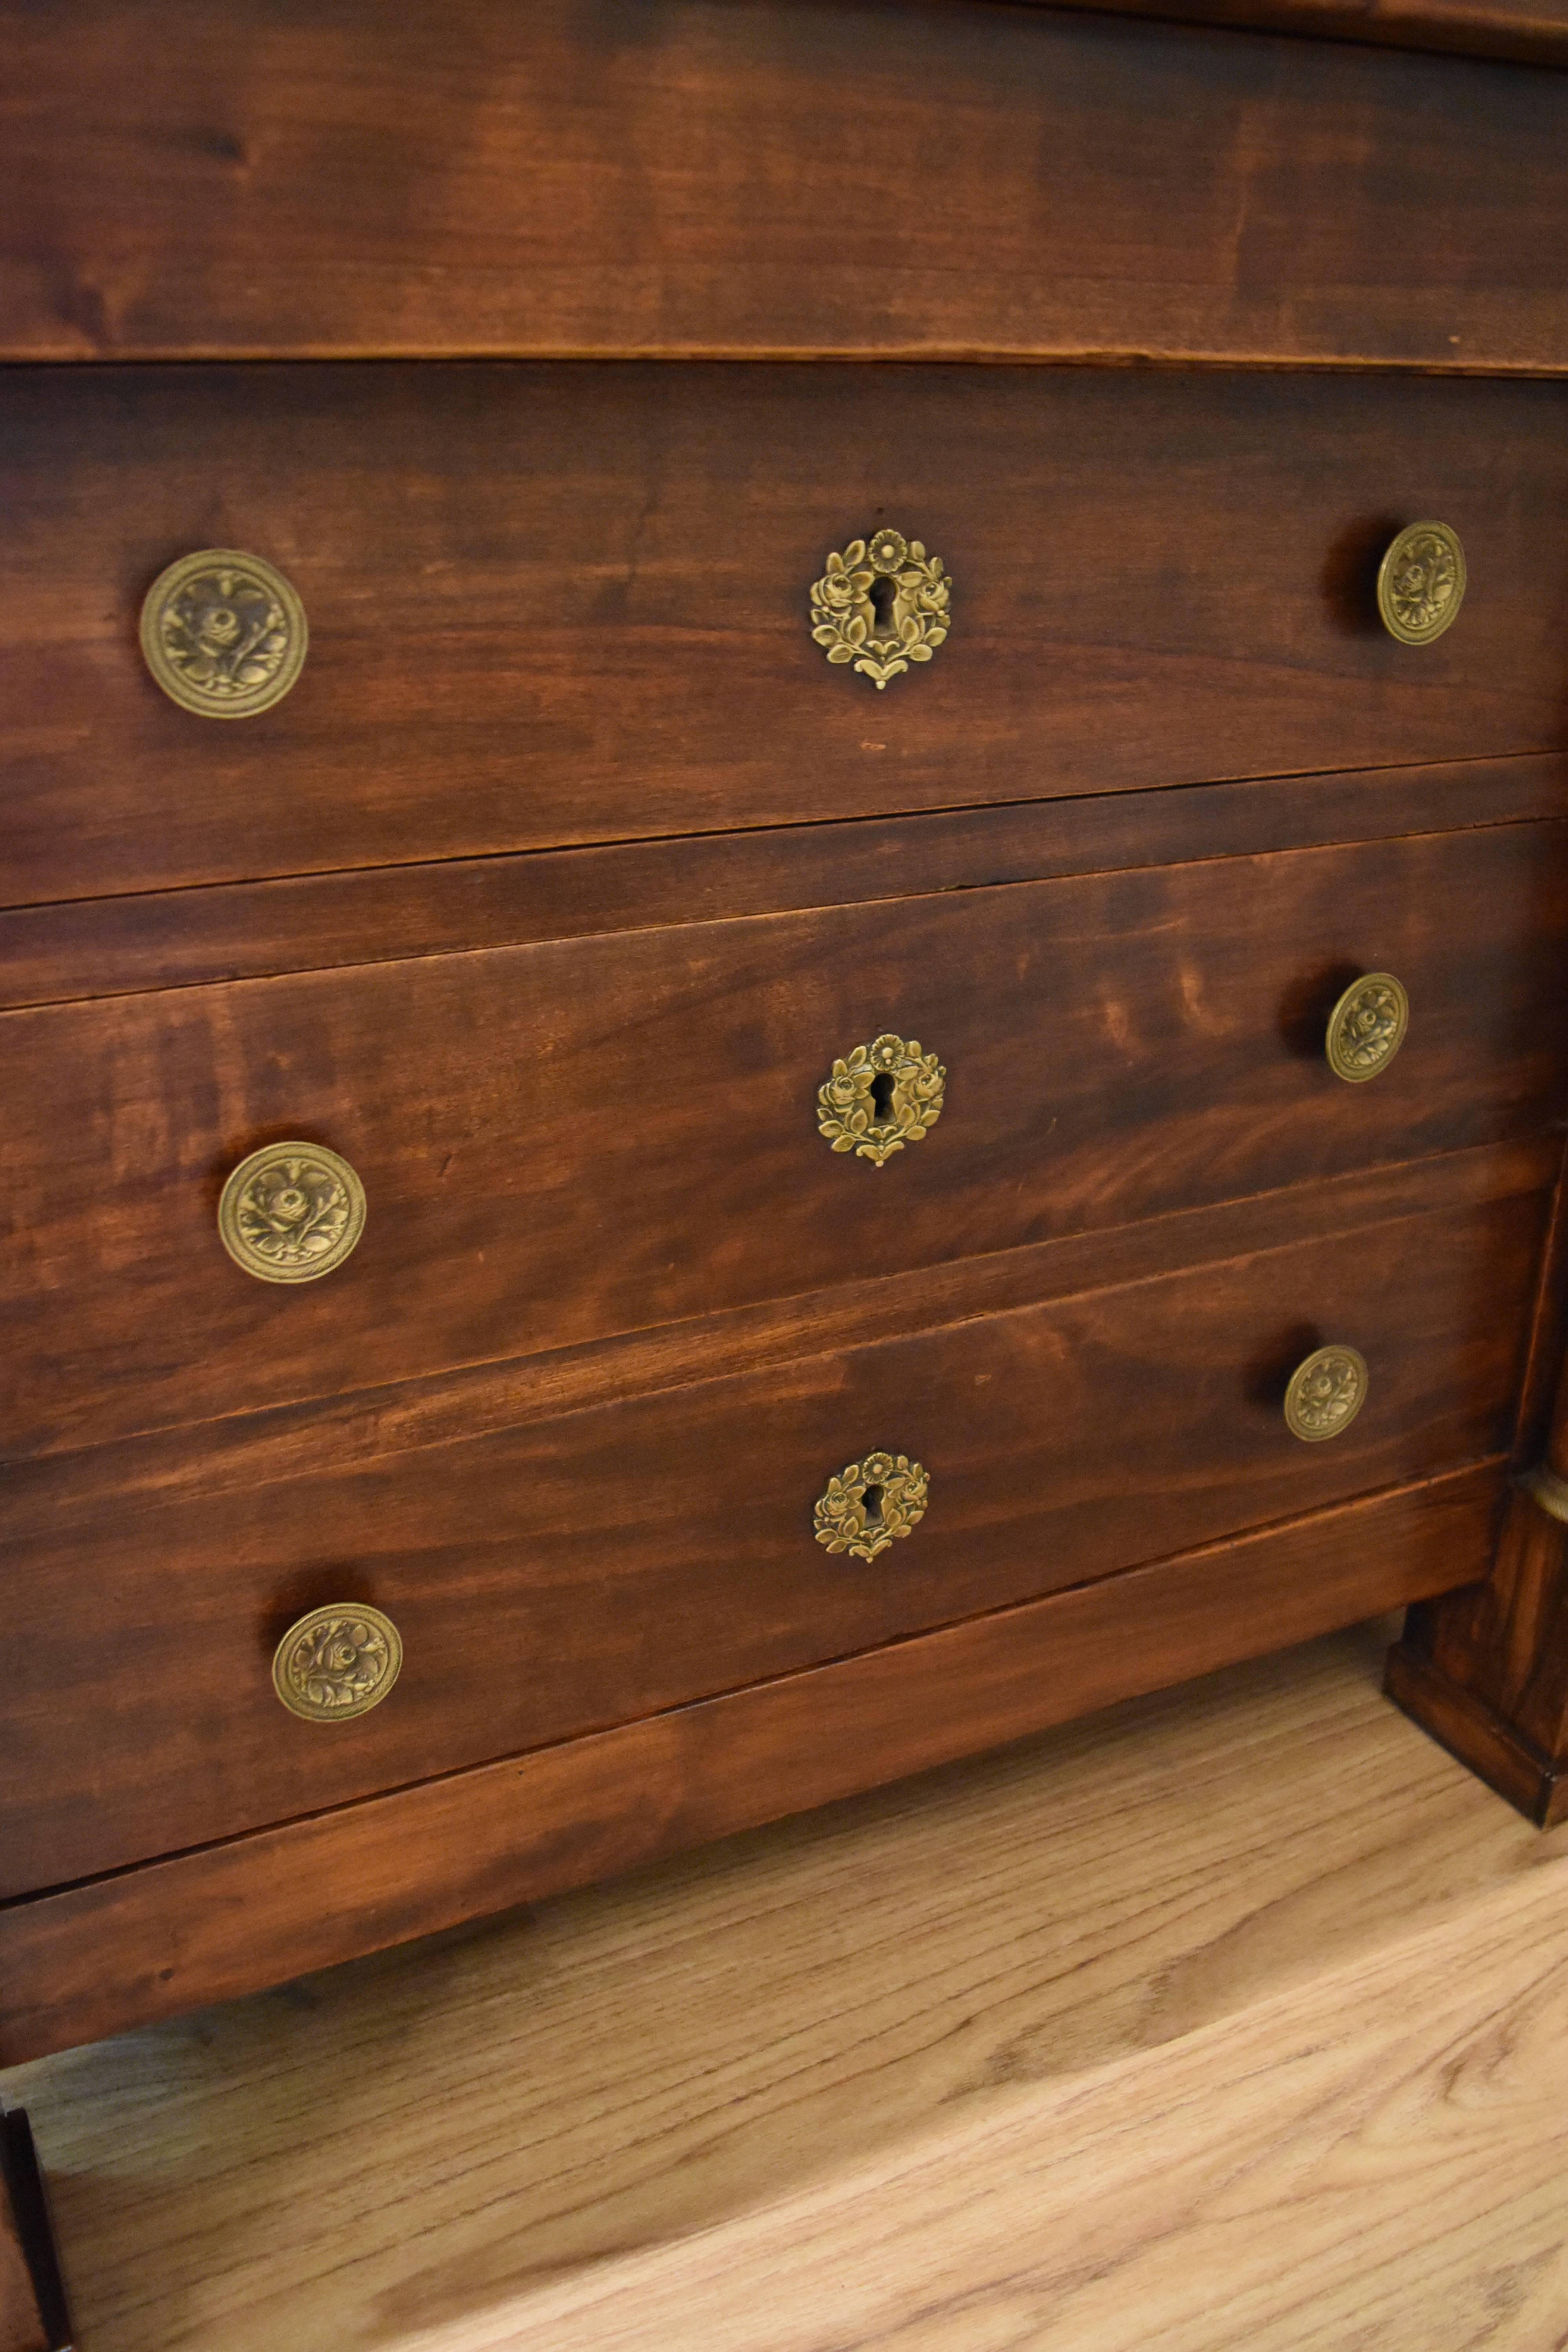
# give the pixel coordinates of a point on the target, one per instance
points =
(1485, 1670)
(32, 2298)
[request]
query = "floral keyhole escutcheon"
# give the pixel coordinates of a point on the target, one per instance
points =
(881, 606)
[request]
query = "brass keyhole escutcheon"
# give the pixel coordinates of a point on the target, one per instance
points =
(1366, 1027)
(337, 1662)
(870, 1505)
(224, 634)
(881, 605)
(1325, 1393)
(1421, 583)
(292, 1213)
(879, 1097)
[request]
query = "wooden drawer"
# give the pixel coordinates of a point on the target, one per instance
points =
(595, 1568)
(569, 603)
(568, 1140)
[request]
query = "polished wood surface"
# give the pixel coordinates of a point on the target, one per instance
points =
(566, 1141)
(1484, 1669)
(557, 628)
(893, 178)
(1532, 32)
(250, 931)
(47, 1499)
(550, 893)
(592, 1570)
(447, 2137)
(1259, 2172)
(337, 1883)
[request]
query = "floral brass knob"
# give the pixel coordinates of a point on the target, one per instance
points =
(224, 634)
(1421, 583)
(337, 1662)
(1325, 1394)
(879, 1097)
(870, 1504)
(882, 604)
(292, 1213)
(1366, 1027)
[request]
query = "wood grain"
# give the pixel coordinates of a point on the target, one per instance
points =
(1258, 2183)
(47, 1499)
(554, 629)
(440, 2133)
(709, 177)
(1532, 32)
(613, 1564)
(566, 1141)
(252, 930)
(1486, 1670)
(234, 1917)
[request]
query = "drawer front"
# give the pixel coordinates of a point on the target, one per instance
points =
(567, 1141)
(552, 604)
(593, 1569)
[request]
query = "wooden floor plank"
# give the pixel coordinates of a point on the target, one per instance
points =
(548, 2124)
(1269, 2181)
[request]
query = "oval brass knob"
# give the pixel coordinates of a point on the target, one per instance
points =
(292, 1213)
(224, 634)
(882, 604)
(337, 1662)
(870, 1503)
(1421, 583)
(1366, 1027)
(1325, 1394)
(879, 1097)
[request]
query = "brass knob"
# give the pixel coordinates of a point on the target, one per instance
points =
(882, 604)
(1325, 1394)
(870, 1503)
(292, 1213)
(224, 634)
(1421, 583)
(1366, 1027)
(337, 1662)
(879, 1097)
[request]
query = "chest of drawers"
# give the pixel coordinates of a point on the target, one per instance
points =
(855, 1039)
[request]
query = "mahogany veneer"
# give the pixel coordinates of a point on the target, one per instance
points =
(550, 893)
(554, 605)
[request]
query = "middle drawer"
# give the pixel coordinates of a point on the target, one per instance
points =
(564, 1141)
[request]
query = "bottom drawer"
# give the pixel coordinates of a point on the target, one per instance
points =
(605, 1565)
(251, 1911)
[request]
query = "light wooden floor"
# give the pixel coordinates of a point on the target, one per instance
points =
(1233, 2021)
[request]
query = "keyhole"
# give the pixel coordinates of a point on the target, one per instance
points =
(871, 1505)
(882, 594)
(882, 1093)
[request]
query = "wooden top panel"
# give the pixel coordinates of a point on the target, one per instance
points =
(740, 178)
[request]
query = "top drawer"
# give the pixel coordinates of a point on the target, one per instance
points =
(570, 604)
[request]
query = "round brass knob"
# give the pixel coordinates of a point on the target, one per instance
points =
(870, 1503)
(879, 1097)
(292, 1213)
(224, 634)
(882, 604)
(337, 1662)
(1325, 1394)
(1366, 1027)
(1421, 583)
